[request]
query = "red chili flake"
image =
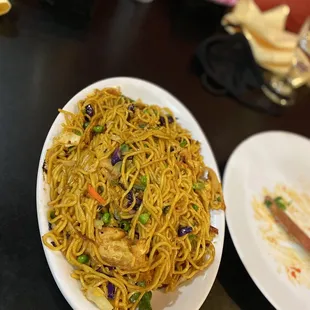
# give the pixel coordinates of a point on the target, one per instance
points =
(293, 274)
(296, 269)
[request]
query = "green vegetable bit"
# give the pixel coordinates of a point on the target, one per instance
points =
(124, 148)
(144, 180)
(83, 259)
(219, 199)
(142, 125)
(106, 218)
(268, 203)
(129, 99)
(195, 207)
(145, 302)
(141, 283)
(279, 201)
(77, 132)
(183, 143)
(144, 218)
(100, 189)
(139, 187)
(114, 182)
(52, 214)
(133, 298)
(191, 237)
(125, 225)
(98, 129)
(85, 125)
(198, 185)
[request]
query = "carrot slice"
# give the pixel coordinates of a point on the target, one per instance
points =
(92, 192)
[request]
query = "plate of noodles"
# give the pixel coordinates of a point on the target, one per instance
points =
(129, 204)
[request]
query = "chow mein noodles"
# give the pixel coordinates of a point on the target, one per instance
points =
(130, 200)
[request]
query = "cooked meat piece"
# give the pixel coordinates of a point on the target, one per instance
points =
(69, 139)
(119, 251)
(289, 225)
(213, 230)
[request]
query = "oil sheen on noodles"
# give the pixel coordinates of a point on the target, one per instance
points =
(130, 200)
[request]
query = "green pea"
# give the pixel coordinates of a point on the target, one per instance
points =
(141, 284)
(106, 218)
(143, 218)
(183, 143)
(195, 207)
(124, 148)
(142, 125)
(86, 125)
(144, 180)
(125, 225)
(98, 128)
(133, 298)
(52, 214)
(83, 259)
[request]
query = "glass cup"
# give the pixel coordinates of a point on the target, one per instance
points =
(282, 89)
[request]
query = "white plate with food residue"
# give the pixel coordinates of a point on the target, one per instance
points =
(275, 164)
(192, 294)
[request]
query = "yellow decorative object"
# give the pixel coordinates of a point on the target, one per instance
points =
(5, 6)
(273, 47)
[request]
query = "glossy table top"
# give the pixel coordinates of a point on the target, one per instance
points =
(45, 60)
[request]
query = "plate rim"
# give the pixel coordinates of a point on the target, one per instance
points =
(240, 249)
(39, 188)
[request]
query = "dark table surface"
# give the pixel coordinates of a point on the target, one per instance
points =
(45, 59)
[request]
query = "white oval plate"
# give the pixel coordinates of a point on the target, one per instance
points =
(192, 294)
(263, 161)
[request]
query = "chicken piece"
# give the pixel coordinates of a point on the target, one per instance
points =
(216, 186)
(120, 251)
(69, 139)
(111, 172)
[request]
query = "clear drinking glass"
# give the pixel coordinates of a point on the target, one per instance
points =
(282, 89)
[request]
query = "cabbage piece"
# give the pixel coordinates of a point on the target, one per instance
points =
(95, 295)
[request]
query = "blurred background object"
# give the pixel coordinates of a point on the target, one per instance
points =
(299, 11)
(281, 89)
(76, 11)
(283, 54)
(272, 49)
(144, 1)
(226, 2)
(5, 6)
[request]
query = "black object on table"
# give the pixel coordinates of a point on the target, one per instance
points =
(43, 63)
(227, 67)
